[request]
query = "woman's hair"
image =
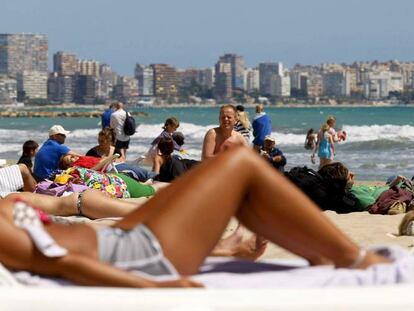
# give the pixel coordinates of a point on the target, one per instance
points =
(109, 134)
(243, 117)
(173, 121)
(325, 127)
(166, 146)
(310, 132)
(29, 146)
(336, 174)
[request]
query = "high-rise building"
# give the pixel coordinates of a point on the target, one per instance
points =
(380, 84)
(87, 89)
(166, 80)
(126, 89)
(237, 69)
(8, 90)
(145, 77)
(203, 77)
(312, 85)
(280, 85)
(223, 89)
(337, 84)
(108, 80)
(89, 68)
(31, 85)
(65, 64)
(267, 71)
(23, 52)
(251, 80)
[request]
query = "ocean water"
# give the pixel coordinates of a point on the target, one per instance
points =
(380, 139)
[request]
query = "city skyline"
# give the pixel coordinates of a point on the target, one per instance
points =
(194, 34)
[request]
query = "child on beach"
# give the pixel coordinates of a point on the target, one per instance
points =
(325, 146)
(170, 126)
(30, 148)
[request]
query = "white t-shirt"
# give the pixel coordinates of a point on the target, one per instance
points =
(117, 123)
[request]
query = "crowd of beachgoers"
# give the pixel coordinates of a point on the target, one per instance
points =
(241, 174)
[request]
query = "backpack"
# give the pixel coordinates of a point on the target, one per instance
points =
(129, 125)
(321, 191)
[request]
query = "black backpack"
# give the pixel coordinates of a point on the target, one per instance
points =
(129, 125)
(324, 193)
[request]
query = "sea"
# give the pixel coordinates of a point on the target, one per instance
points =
(380, 141)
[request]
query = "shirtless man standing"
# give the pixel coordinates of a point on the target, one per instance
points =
(223, 137)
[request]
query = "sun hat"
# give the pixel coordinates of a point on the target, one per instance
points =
(58, 129)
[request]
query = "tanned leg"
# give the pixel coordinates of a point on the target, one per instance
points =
(94, 204)
(189, 216)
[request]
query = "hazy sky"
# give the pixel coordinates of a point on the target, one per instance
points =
(193, 33)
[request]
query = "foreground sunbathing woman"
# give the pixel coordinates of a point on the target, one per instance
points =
(179, 227)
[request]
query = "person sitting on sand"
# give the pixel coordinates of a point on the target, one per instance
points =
(30, 148)
(272, 154)
(48, 157)
(106, 140)
(157, 234)
(223, 137)
(168, 166)
(106, 144)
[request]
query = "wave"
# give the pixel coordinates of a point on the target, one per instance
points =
(384, 135)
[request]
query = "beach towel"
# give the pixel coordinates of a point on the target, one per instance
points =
(229, 273)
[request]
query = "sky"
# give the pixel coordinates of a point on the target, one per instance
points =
(194, 33)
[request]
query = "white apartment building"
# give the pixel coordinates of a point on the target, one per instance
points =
(380, 84)
(251, 79)
(280, 85)
(33, 84)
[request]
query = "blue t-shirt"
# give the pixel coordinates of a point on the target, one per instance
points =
(47, 159)
(262, 126)
(106, 118)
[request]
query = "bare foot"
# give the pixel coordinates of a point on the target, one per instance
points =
(372, 259)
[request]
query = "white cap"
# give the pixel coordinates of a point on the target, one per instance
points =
(58, 129)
